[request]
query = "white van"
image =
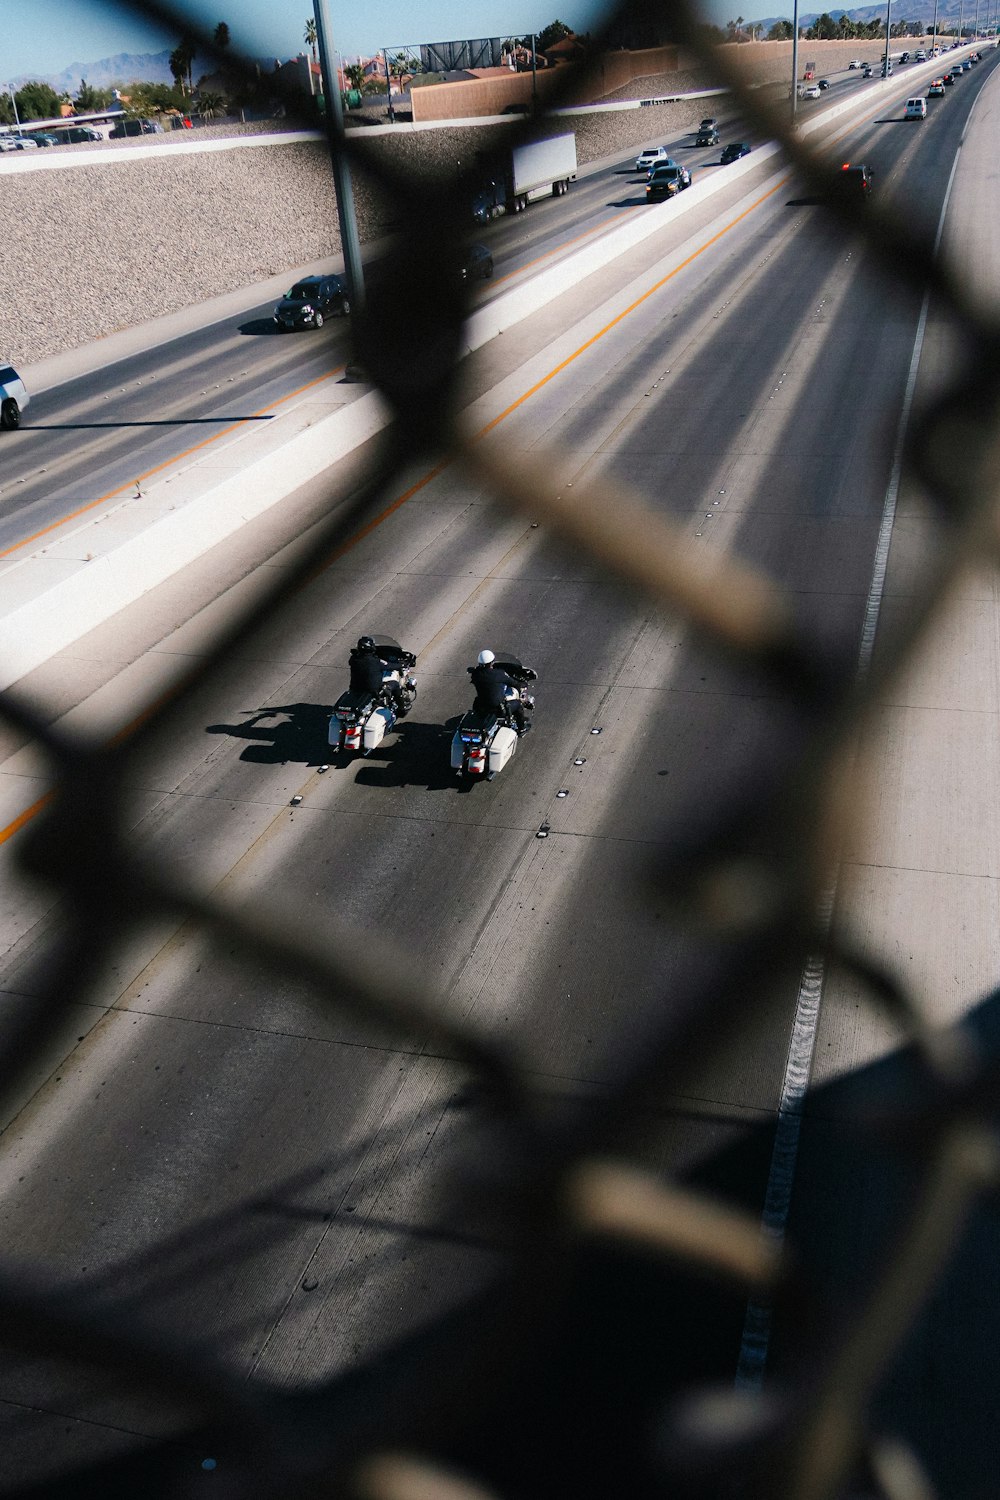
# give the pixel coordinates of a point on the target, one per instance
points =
(915, 109)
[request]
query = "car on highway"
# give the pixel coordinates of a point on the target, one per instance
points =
(936, 90)
(811, 91)
(920, 55)
(709, 123)
(651, 156)
(866, 70)
(855, 62)
(733, 152)
(967, 65)
(667, 182)
(947, 79)
(915, 109)
(311, 301)
(886, 71)
(707, 135)
(477, 263)
(853, 183)
(823, 83)
(13, 397)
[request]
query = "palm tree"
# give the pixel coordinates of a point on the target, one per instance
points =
(311, 39)
(221, 37)
(210, 105)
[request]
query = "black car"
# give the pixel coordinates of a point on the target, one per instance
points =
(311, 301)
(734, 152)
(78, 133)
(667, 182)
(852, 184)
(132, 127)
(477, 262)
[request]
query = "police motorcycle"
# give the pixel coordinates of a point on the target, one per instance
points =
(484, 743)
(360, 721)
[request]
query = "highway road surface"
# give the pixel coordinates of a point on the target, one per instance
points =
(255, 1168)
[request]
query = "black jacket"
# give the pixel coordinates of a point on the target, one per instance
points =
(491, 685)
(366, 672)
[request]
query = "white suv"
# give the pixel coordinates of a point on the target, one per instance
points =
(651, 156)
(13, 397)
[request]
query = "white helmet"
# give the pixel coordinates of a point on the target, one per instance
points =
(485, 657)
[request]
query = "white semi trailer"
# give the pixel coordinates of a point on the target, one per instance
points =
(538, 169)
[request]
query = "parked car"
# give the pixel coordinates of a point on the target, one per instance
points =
(133, 127)
(24, 143)
(13, 397)
(707, 136)
(667, 182)
(477, 263)
(77, 133)
(733, 152)
(650, 157)
(42, 138)
(311, 301)
(915, 109)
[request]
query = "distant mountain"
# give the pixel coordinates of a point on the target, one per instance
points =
(916, 10)
(124, 68)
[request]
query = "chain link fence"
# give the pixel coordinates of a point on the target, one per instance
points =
(588, 1228)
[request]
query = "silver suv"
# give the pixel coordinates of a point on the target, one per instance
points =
(13, 397)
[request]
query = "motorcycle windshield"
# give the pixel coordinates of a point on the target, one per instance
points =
(507, 660)
(387, 648)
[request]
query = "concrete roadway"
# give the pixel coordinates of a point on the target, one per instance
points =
(85, 441)
(194, 1100)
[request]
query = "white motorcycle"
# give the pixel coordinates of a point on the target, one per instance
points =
(484, 743)
(361, 721)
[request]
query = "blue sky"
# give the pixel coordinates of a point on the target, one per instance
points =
(46, 36)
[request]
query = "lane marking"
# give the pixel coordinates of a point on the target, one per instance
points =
(758, 1319)
(432, 474)
(176, 459)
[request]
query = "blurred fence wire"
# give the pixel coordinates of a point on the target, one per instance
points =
(751, 880)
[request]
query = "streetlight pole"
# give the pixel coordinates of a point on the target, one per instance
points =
(10, 90)
(341, 169)
(885, 64)
(934, 29)
(795, 57)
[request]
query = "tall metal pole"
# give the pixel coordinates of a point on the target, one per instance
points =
(343, 186)
(10, 90)
(885, 64)
(534, 77)
(795, 57)
(934, 29)
(961, 15)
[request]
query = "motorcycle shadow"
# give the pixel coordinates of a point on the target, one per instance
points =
(415, 754)
(299, 735)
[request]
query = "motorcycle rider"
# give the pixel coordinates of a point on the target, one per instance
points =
(368, 674)
(497, 692)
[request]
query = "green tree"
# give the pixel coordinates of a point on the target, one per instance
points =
(311, 38)
(553, 32)
(221, 37)
(781, 31)
(182, 61)
(37, 101)
(355, 75)
(210, 105)
(735, 29)
(6, 109)
(89, 100)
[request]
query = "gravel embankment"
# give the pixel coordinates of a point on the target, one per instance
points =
(106, 247)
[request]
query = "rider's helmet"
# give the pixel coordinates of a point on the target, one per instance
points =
(486, 658)
(366, 643)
